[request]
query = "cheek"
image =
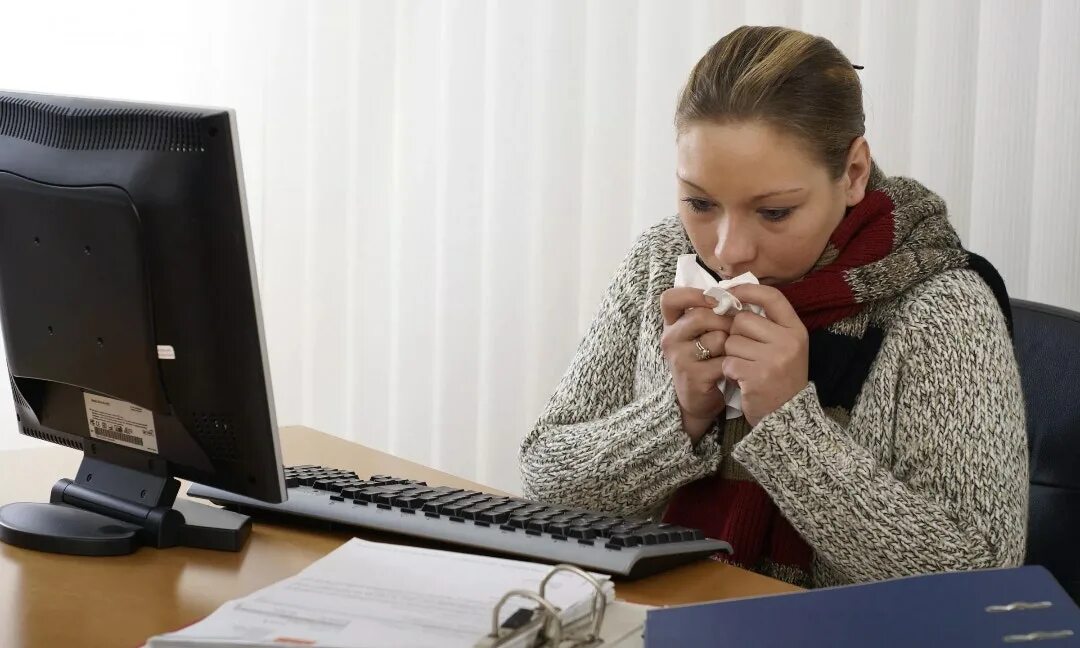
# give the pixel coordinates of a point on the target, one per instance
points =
(701, 230)
(799, 247)
(791, 257)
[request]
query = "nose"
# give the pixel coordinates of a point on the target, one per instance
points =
(735, 244)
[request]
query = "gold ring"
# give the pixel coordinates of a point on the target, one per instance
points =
(703, 352)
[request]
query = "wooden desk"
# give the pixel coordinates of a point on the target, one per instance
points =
(52, 600)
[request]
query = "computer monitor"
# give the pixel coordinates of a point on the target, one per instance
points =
(130, 313)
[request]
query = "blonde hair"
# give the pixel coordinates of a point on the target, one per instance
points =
(794, 81)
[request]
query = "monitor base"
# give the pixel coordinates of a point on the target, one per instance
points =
(59, 528)
(64, 529)
(111, 510)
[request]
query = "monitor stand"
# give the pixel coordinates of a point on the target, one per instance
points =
(111, 510)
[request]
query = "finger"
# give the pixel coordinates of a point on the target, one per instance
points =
(706, 373)
(714, 341)
(689, 353)
(738, 346)
(738, 369)
(777, 308)
(676, 301)
(755, 327)
(698, 322)
(684, 360)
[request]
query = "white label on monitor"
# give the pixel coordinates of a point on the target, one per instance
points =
(166, 352)
(120, 422)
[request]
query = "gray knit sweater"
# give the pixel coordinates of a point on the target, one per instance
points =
(929, 472)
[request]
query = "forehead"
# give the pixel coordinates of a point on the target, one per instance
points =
(748, 155)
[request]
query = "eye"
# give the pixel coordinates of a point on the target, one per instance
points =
(698, 205)
(774, 215)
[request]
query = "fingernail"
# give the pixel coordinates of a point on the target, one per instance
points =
(710, 301)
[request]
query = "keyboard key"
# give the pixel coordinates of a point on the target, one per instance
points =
(536, 526)
(495, 516)
(559, 528)
(581, 532)
(529, 510)
(682, 535)
(655, 535)
(564, 517)
(446, 490)
(436, 505)
(322, 484)
(603, 528)
(454, 508)
(470, 513)
(393, 488)
(624, 540)
(367, 494)
(292, 482)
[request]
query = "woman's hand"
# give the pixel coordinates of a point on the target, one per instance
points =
(688, 318)
(768, 357)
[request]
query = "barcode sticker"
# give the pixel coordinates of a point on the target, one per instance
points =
(120, 422)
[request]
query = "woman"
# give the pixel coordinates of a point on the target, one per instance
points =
(883, 426)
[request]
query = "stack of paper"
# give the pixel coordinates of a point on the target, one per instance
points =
(370, 594)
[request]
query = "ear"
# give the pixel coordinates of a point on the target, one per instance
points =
(857, 172)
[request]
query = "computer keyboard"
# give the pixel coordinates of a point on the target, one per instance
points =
(510, 526)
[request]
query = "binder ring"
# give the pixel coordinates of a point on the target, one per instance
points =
(550, 612)
(597, 608)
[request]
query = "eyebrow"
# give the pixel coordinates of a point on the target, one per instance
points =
(763, 196)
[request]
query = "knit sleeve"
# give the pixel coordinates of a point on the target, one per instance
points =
(598, 444)
(953, 494)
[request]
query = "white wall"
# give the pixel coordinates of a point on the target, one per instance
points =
(439, 191)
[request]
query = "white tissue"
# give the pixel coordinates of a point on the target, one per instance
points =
(689, 274)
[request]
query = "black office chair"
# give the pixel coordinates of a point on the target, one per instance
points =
(1047, 342)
